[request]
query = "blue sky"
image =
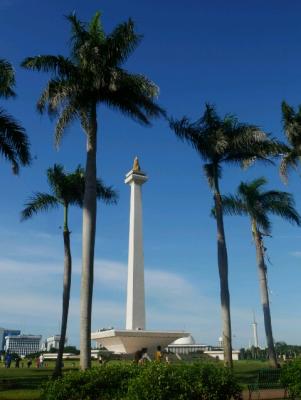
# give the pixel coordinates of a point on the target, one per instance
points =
(242, 56)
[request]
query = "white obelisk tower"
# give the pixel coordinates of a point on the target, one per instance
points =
(135, 306)
(255, 334)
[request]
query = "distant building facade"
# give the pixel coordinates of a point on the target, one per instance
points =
(7, 332)
(187, 345)
(23, 344)
(53, 342)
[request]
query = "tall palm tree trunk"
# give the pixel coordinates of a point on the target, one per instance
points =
(262, 275)
(89, 229)
(66, 295)
(223, 276)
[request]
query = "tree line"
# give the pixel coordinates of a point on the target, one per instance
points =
(92, 74)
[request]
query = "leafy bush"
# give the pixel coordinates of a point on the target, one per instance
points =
(107, 382)
(183, 382)
(291, 378)
(154, 381)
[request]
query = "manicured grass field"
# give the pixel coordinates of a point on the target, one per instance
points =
(25, 383)
(246, 370)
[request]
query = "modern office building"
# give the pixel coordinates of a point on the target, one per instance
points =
(53, 342)
(23, 344)
(7, 332)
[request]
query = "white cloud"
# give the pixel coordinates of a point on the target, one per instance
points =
(295, 254)
(30, 296)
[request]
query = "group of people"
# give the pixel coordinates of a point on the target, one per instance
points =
(141, 356)
(8, 358)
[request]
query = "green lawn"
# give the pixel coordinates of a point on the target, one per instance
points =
(25, 383)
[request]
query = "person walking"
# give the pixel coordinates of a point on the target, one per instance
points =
(41, 359)
(158, 354)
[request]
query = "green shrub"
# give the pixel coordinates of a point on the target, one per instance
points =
(291, 378)
(154, 381)
(183, 382)
(107, 382)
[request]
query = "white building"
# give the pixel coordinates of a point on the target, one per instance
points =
(53, 342)
(7, 332)
(23, 344)
(187, 345)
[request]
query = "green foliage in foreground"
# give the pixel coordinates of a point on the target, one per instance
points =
(184, 382)
(108, 382)
(291, 378)
(150, 382)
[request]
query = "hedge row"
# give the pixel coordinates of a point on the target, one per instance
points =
(154, 381)
(291, 378)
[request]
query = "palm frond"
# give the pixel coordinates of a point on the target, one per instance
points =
(7, 79)
(66, 117)
(253, 187)
(106, 193)
(58, 65)
(14, 144)
(56, 178)
(190, 132)
(133, 95)
(121, 43)
(37, 203)
(291, 121)
(56, 95)
(95, 28)
(281, 204)
(93, 75)
(263, 222)
(79, 34)
(233, 205)
(250, 144)
(227, 140)
(259, 204)
(289, 161)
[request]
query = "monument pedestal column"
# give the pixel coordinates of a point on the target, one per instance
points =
(135, 306)
(135, 337)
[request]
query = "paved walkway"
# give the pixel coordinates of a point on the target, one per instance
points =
(264, 394)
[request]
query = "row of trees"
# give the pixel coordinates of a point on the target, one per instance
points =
(283, 351)
(226, 141)
(91, 75)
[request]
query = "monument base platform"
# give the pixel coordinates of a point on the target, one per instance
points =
(129, 341)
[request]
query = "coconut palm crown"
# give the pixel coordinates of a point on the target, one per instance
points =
(14, 144)
(291, 120)
(90, 76)
(218, 141)
(253, 201)
(67, 189)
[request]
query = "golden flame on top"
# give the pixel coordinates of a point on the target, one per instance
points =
(136, 166)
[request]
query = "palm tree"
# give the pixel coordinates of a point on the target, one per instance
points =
(292, 127)
(251, 200)
(221, 141)
(67, 189)
(14, 144)
(90, 76)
